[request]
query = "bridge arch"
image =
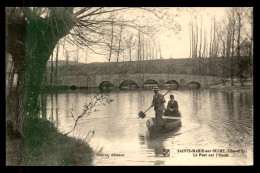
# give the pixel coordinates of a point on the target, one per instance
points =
(128, 84)
(150, 83)
(182, 82)
(105, 85)
(172, 84)
(141, 79)
(193, 84)
(73, 87)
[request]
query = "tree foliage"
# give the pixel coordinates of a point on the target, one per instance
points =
(33, 33)
(230, 39)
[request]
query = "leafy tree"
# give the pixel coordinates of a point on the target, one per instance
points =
(244, 70)
(33, 33)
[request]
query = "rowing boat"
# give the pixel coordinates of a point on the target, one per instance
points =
(169, 124)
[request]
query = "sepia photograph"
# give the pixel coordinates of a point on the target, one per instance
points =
(129, 86)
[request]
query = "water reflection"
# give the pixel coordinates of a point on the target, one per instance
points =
(210, 119)
(57, 109)
(157, 144)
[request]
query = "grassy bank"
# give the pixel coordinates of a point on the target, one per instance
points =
(248, 86)
(44, 145)
(13, 151)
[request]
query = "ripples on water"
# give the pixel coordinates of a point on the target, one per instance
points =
(210, 120)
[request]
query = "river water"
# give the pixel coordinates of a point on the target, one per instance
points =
(217, 121)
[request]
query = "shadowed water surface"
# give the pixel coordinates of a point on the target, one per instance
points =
(210, 120)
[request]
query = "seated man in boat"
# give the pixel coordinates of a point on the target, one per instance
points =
(172, 108)
(158, 103)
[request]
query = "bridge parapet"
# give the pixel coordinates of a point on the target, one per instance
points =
(140, 79)
(161, 79)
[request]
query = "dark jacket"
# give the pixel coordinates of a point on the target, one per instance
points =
(173, 105)
(158, 102)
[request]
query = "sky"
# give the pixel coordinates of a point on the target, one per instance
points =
(172, 45)
(179, 46)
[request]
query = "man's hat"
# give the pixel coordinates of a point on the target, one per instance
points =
(155, 89)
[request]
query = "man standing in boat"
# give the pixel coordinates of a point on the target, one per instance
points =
(158, 103)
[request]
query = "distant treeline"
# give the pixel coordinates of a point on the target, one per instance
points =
(219, 66)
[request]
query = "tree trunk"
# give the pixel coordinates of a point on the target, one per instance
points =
(16, 100)
(130, 54)
(35, 69)
(11, 77)
(190, 40)
(119, 48)
(232, 56)
(51, 75)
(242, 82)
(139, 52)
(119, 44)
(67, 62)
(111, 43)
(56, 65)
(200, 52)
(36, 38)
(19, 120)
(252, 33)
(239, 34)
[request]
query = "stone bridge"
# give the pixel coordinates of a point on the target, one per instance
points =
(140, 79)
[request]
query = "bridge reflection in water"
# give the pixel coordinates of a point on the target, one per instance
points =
(106, 85)
(128, 84)
(149, 84)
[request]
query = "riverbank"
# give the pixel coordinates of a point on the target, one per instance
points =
(44, 145)
(248, 86)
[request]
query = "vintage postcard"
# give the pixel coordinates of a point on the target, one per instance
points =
(120, 86)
